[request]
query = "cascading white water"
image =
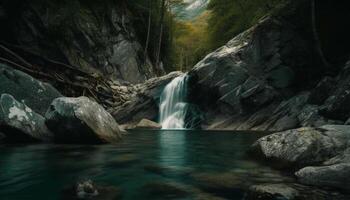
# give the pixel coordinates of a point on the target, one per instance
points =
(172, 104)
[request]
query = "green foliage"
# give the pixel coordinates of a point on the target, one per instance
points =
(230, 17)
(190, 42)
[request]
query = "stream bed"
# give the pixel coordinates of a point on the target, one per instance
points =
(145, 165)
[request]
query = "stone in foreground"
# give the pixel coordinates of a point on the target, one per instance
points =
(304, 146)
(272, 192)
(81, 121)
(148, 124)
(336, 176)
(19, 123)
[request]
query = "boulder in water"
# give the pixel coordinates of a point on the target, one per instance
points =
(302, 147)
(336, 176)
(80, 120)
(24, 88)
(19, 123)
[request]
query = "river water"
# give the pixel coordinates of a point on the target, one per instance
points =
(134, 165)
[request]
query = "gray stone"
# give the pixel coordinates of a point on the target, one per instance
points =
(98, 38)
(148, 124)
(254, 75)
(24, 88)
(302, 147)
(80, 120)
(19, 123)
(344, 157)
(336, 176)
(286, 122)
(272, 192)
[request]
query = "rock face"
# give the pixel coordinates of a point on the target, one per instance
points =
(24, 88)
(304, 146)
(80, 120)
(261, 79)
(97, 37)
(143, 103)
(20, 124)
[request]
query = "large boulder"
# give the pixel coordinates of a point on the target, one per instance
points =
(24, 88)
(19, 123)
(302, 147)
(80, 120)
(336, 176)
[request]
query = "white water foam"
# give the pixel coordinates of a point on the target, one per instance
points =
(172, 104)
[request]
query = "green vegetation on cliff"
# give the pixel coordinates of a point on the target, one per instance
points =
(223, 20)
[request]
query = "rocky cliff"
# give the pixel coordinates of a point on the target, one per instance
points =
(271, 77)
(97, 38)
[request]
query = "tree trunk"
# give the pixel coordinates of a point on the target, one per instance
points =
(161, 23)
(148, 29)
(316, 36)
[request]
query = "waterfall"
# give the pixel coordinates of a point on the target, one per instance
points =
(173, 107)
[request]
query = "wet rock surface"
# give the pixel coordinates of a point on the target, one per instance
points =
(20, 124)
(304, 146)
(80, 120)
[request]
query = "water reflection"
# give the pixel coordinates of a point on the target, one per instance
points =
(172, 150)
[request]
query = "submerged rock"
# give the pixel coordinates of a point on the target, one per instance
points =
(302, 147)
(19, 123)
(89, 190)
(80, 120)
(148, 124)
(24, 88)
